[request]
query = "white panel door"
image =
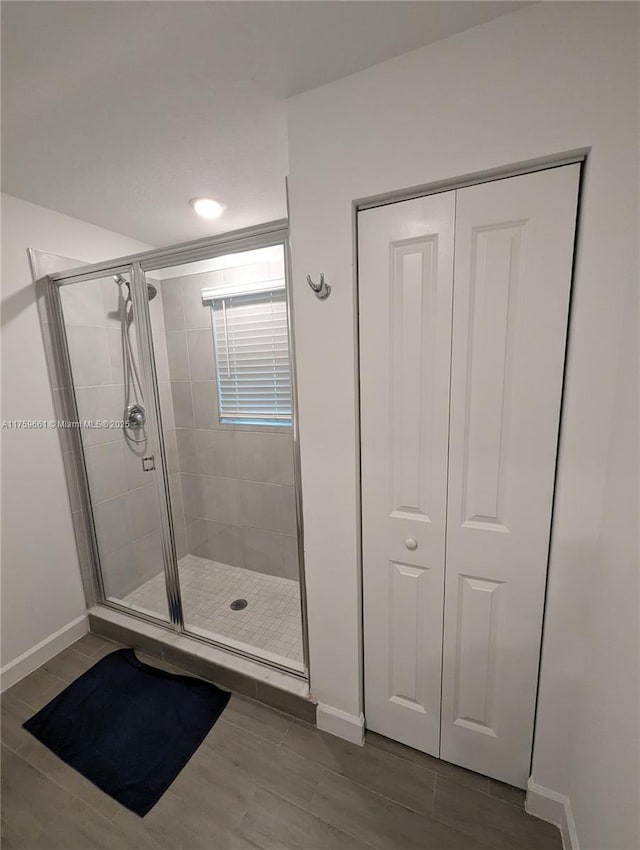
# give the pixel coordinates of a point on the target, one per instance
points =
(513, 258)
(405, 293)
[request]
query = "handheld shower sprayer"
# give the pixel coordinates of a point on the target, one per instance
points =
(134, 412)
(122, 281)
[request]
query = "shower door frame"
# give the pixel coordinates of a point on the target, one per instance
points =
(136, 266)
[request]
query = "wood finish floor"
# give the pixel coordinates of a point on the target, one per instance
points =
(261, 779)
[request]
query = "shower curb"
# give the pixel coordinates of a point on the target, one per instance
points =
(285, 693)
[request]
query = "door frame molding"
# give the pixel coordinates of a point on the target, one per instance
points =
(543, 163)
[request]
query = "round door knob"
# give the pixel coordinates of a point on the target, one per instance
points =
(411, 543)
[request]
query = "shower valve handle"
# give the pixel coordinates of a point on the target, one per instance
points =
(136, 416)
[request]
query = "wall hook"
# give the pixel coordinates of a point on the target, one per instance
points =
(322, 289)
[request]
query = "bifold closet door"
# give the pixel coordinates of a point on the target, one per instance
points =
(461, 368)
(513, 257)
(405, 280)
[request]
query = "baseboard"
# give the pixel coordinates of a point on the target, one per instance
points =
(555, 808)
(43, 652)
(339, 723)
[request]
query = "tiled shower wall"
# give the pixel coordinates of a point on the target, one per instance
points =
(236, 495)
(124, 497)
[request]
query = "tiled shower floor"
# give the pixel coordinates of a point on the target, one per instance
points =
(271, 622)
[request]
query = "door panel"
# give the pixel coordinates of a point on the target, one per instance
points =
(231, 451)
(405, 279)
(496, 271)
(117, 454)
(410, 589)
(513, 258)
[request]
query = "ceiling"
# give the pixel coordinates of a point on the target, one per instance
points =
(118, 113)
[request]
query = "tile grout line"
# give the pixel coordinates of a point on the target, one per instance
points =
(486, 793)
(308, 811)
(433, 797)
(436, 777)
(326, 769)
(427, 817)
(55, 782)
(257, 735)
(390, 755)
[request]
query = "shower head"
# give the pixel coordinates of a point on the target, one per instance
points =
(151, 289)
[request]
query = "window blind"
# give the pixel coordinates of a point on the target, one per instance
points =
(252, 357)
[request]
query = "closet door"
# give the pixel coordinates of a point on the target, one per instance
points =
(405, 298)
(513, 257)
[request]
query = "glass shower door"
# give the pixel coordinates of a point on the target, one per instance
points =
(223, 363)
(116, 451)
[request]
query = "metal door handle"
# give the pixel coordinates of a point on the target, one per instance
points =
(411, 543)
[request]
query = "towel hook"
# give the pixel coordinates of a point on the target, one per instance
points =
(322, 289)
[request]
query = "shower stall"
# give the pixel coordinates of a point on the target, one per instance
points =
(175, 372)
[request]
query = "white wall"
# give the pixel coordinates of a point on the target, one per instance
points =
(550, 78)
(41, 587)
(606, 716)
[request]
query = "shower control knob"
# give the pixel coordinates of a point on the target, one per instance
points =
(411, 543)
(136, 416)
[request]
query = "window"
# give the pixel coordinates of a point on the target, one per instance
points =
(252, 355)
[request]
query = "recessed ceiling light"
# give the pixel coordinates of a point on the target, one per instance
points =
(207, 207)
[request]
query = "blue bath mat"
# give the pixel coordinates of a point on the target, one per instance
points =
(128, 727)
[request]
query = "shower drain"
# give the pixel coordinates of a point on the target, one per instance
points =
(238, 604)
